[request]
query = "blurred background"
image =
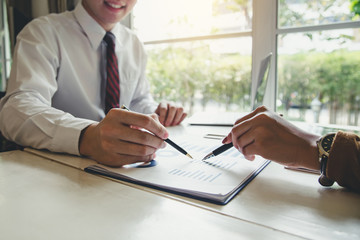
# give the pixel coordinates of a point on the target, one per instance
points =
(205, 54)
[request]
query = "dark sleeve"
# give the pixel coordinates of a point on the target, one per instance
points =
(344, 161)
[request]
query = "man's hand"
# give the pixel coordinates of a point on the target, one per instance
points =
(119, 139)
(169, 114)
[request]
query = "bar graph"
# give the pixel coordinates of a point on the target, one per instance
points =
(196, 169)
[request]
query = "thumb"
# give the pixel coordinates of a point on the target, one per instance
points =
(227, 139)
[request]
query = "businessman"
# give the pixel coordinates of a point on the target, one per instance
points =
(70, 73)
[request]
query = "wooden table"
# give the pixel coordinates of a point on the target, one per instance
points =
(42, 199)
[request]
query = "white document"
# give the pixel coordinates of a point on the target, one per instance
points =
(216, 180)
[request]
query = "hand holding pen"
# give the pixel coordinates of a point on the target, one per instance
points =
(228, 140)
(116, 140)
(267, 134)
(171, 143)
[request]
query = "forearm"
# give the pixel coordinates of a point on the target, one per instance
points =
(29, 122)
(308, 156)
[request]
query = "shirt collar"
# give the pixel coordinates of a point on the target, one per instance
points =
(92, 29)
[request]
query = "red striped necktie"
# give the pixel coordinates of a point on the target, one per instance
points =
(112, 95)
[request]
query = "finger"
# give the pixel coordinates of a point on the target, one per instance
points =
(250, 151)
(171, 112)
(227, 139)
(252, 114)
(237, 145)
(139, 120)
(161, 111)
(237, 133)
(115, 158)
(138, 136)
(183, 116)
(112, 134)
(250, 157)
(257, 142)
(155, 117)
(133, 149)
(240, 129)
(243, 144)
(179, 116)
(245, 139)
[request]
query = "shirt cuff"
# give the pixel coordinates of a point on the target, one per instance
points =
(67, 137)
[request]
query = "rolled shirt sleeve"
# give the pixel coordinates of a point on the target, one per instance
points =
(344, 161)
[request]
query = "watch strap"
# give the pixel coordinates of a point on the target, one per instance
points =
(323, 159)
(323, 179)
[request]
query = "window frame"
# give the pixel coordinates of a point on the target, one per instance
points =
(2, 47)
(265, 26)
(5, 57)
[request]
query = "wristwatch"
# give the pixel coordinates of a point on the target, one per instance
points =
(324, 145)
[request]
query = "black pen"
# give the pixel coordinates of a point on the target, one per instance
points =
(177, 147)
(174, 145)
(219, 150)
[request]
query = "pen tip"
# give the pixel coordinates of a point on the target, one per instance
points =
(189, 156)
(210, 155)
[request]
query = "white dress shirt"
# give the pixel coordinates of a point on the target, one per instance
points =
(58, 76)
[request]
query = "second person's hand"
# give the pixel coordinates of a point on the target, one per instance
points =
(265, 133)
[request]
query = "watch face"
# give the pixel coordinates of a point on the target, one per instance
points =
(327, 142)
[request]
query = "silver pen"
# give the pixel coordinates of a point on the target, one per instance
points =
(218, 151)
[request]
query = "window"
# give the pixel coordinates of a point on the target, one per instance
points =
(14, 15)
(199, 51)
(5, 56)
(318, 46)
(206, 55)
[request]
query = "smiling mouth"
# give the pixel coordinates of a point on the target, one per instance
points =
(121, 5)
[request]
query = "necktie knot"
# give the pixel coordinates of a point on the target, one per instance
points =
(109, 39)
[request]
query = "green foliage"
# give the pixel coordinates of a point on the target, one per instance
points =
(334, 77)
(295, 80)
(243, 7)
(230, 5)
(355, 7)
(287, 16)
(185, 74)
(322, 12)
